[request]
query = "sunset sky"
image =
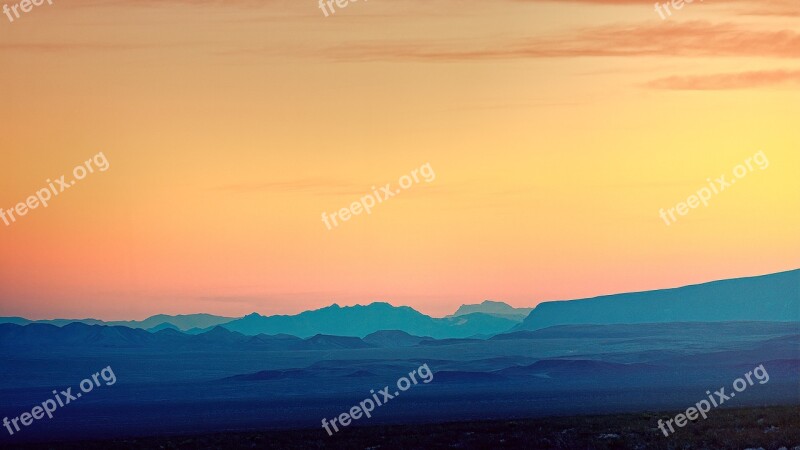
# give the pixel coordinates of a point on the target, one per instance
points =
(556, 130)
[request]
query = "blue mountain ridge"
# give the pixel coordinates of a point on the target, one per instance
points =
(773, 297)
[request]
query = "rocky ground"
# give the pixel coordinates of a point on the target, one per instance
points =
(769, 428)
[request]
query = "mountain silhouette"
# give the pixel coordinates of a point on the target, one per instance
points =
(158, 322)
(493, 308)
(774, 297)
(38, 336)
(393, 339)
(361, 320)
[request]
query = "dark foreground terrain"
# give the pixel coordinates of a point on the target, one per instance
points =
(769, 428)
(222, 382)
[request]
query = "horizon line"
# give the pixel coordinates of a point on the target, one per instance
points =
(408, 306)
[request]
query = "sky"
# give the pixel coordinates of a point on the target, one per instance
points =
(557, 132)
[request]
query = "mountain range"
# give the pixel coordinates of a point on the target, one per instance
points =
(361, 320)
(286, 372)
(182, 322)
(358, 320)
(41, 336)
(773, 297)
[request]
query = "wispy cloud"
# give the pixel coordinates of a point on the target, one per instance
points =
(779, 5)
(680, 39)
(743, 80)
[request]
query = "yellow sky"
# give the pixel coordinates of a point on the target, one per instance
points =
(556, 130)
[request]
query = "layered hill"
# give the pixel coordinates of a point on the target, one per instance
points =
(362, 320)
(45, 337)
(774, 297)
(182, 322)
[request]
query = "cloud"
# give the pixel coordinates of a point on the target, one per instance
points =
(779, 5)
(777, 9)
(726, 81)
(679, 39)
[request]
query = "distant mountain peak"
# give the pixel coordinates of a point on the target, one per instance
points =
(494, 308)
(367, 305)
(494, 302)
(381, 304)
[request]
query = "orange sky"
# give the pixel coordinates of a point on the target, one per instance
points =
(557, 130)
